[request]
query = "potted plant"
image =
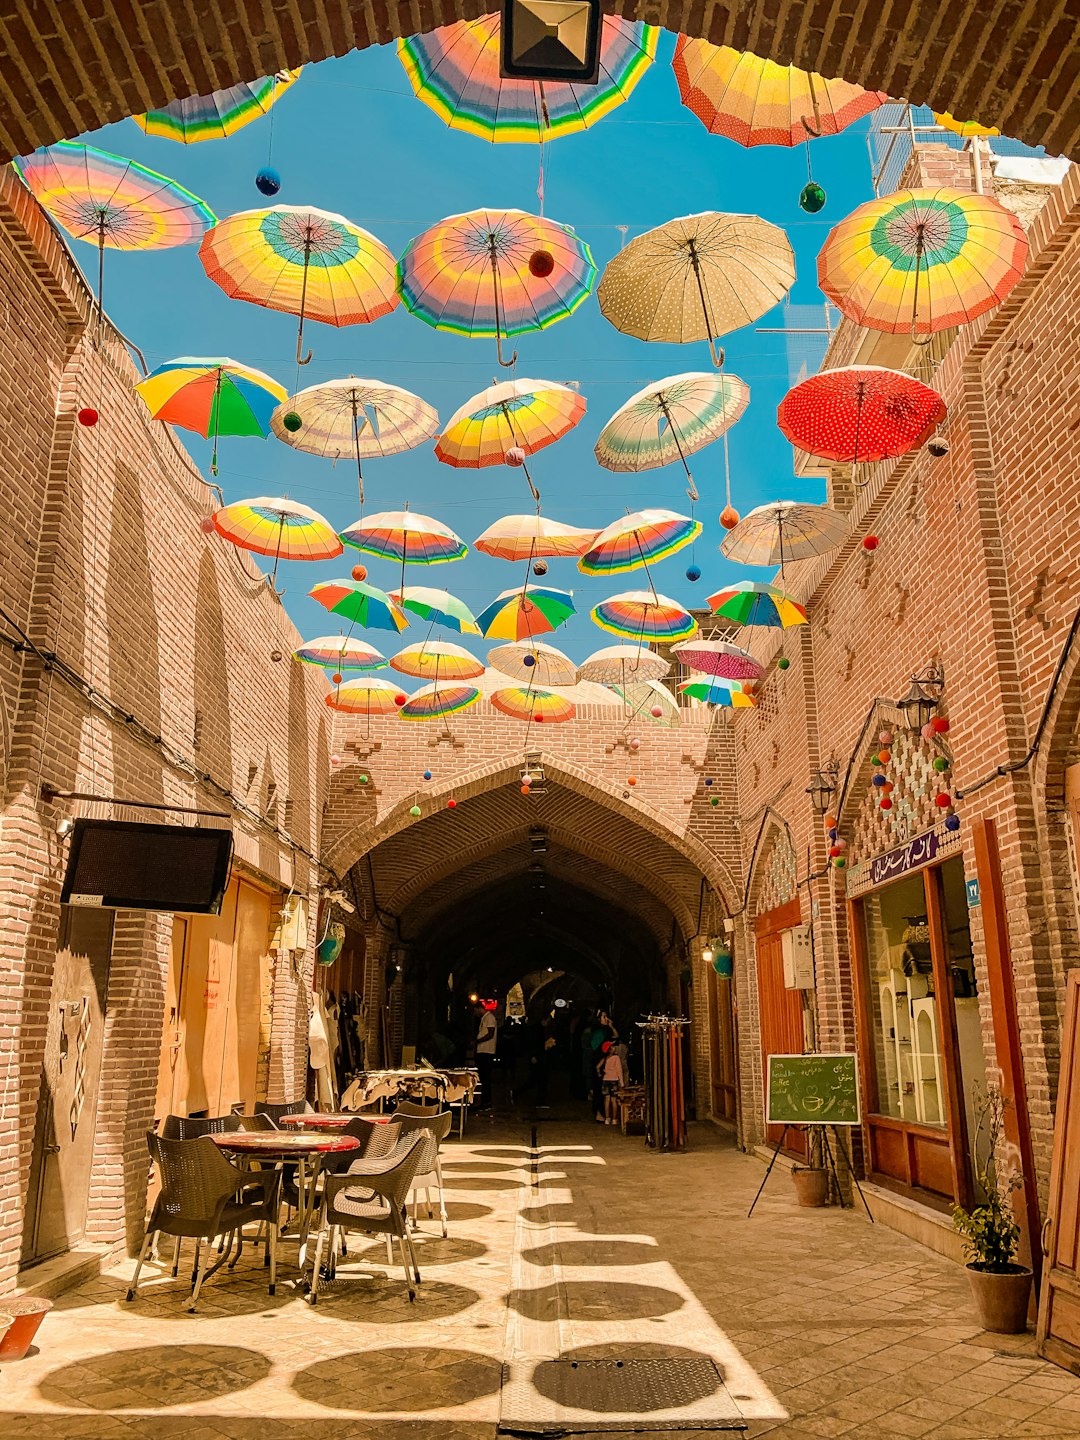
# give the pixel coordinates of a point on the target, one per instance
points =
(1001, 1287)
(811, 1181)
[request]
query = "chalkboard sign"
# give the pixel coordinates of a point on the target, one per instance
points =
(812, 1090)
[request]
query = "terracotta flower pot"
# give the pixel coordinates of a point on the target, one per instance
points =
(5, 1325)
(27, 1312)
(1001, 1298)
(811, 1186)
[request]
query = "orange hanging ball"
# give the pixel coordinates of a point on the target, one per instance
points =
(541, 264)
(335, 679)
(206, 525)
(729, 517)
(631, 779)
(359, 572)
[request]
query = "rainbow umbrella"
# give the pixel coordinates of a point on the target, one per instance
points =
(431, 702)
(713, 691)
(718, 658)
(212, 397)
(215, 116)
(860, 413)
(112, 202)
(505, 423)
(366, 696)
(784, 530)
(528, 537)
(495, 273)
(278, 527)
(305, 262)
(622, 665)
(354, 417)
(533, 661)
(438, 606)
(339, 652)
(406, 535)
(644, 615)
(365, 605)
(969, 128)
(757, 102)
(754, 602)
(524, 612)
(523, 702)
(455, 71)
(633, 540)
(438, 658)
(921, 261)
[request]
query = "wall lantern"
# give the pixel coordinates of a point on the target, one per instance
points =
(823, 786)
(922, 699)
(708, 953)
(551, 40)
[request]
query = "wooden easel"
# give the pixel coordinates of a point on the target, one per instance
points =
(832, 1166)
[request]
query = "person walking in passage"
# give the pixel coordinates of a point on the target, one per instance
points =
(486, 1040)
(613, 1077)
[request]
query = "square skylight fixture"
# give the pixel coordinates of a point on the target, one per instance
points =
(551, 40)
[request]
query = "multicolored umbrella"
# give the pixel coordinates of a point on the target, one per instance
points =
(644, 615)
(921, 261)
(305, 262)
(278, 527)
(535, 662)
(697, 278)
(784, 530)
(524, 702)
(455, 71)
(529, 537)
(495, 273)
(406, 535)
(633, 540)
(718, 658)
(354, 417)
(367, 696)
(340, 652)
(526, 611)
(671, 420)
(438, 606)
(215, 116)
(860, 413)
(212, 397)
(754, 602)
(518, 414)
(712, 691)
(432, 702)
(757, 102)
(438, 659)
(623, 665)
(969, 128)
(112, 202)
(365, 605)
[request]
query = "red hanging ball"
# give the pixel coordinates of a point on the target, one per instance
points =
(539, 719)
(886, 804)
(359, 572)
(88, 416)
(631, 779)
(400, 699)
(541, 264)
(939, 725)
(870, 542)
(451, 804)
(335, 679)
(943, 801)
(206, 525)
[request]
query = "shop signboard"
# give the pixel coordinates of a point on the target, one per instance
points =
(924, 849)
(812, 1090)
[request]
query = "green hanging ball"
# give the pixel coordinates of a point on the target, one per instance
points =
(292, 422)
(414, 811)
(363, 779)
(714, 800)
(940, 763)
(812, 198)
(783, 663)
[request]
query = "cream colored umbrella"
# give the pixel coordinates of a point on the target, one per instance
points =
(437, 660)
(533, 537)
(784, 530)
(696, 278)
(535, 662)
(623, 665)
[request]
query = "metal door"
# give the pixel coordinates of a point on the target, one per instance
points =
(68, 1099)
(1059, 1306)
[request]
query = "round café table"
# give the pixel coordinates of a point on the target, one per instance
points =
(331, 1120)
(283, 1146)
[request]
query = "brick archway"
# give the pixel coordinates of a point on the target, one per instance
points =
(1009, 64)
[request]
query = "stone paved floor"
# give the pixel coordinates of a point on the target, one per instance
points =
(821, 1324)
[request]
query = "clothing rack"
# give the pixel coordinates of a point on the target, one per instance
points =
(665, 1098)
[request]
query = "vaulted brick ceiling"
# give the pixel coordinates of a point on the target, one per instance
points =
(69, 67)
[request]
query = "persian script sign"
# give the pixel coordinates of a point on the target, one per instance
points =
(920, 851)
(812, 1090)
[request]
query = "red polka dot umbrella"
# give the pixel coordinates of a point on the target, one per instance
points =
(860, 413)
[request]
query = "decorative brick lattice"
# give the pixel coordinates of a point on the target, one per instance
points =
(778, 878)
(915, 784)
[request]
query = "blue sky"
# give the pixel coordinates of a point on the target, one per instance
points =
(350, 137)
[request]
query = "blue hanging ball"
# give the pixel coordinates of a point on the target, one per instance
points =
(833, 832)
(528, 661)
(878, 779)
(708, 782)
(268, 181)
(693, 572)
(953, 822)
(427, 774)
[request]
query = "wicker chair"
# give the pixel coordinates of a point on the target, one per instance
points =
(370, 1197)
(190, 1127)
(204, 1195)
(438, 1124)
(375, 1142)
(275, 1111)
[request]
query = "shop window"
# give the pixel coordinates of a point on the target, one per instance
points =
(965, 989)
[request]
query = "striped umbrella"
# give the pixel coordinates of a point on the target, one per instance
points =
(365, 605)
(524, 612)
(454, 70)
(784, 530)
(535, 662)
(432, 702)
(506, 423)
(278, 527)
(754, 602)
(480, 274)
(644, 615)
(305, 262)
(718, 658)
(340, 652)
(438, 606)
(212, 397)
(219, 114)
(366, 696)
(633, 540)
(714, 691)
(529, 537)
(622, 665)
(439, 660)
(406, 535)
(523, 702)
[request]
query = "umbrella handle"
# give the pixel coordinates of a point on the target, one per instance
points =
(717, 355)
(506, 364)
(814, 129)
(301, 358)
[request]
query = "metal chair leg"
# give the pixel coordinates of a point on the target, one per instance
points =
(405, 1267)
(176, 1259)
(147, 1242)
(195, 1262)
(442, 1197)
(313, 1293)
(200, 1278)
(271, 1253)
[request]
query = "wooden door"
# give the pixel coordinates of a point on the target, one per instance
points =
(780, 1009)
(721, 1047)
(1059, 1307)
(172, 1031)
(68, 1098)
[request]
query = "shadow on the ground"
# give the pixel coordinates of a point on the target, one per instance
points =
(152, 1376)
(380, 1297)
(399, 1379)
(596, 1300)
(611, 1254)
(431, 1248)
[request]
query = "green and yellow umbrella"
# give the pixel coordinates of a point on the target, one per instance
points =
(219, 114)
(432, 702)
(755, 602)
(524, 612)
(212, 397)
(362, 604)
(278, 527)
(437, 606)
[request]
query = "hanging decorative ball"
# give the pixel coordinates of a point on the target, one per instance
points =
(830, 822)
(888, 788)
(292, 422)
(693, 572)
(526, 789)
(841, 845)
(833, 832)
(427, 774)
(515, 455)
(528, 661)
(886, 803)
(834, 850)
(635, 744)
(708, 780)
(268, 181)
(451, 804)
(714, 799)
(526, 782)
(539, 719)
(878, 779)
(943, 801)
(870, 542)
(952, 822)
(729, 517)
(885, 737)
(840, 863)
(884, 756)
(539, 567)
(541, 264)
(783, 663)
(657, 712)
(359, 572)
(336, 678)
(631, 779)
(938, 447)
(876, 760)
(361, 779)
(812, 198)
(927, 732)
(335, 759)
(88, 416)
(939, 725)
(940, 763)
(276, 656)
(414, 811)
(722, 964)
(206, 525)
(399, 699)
